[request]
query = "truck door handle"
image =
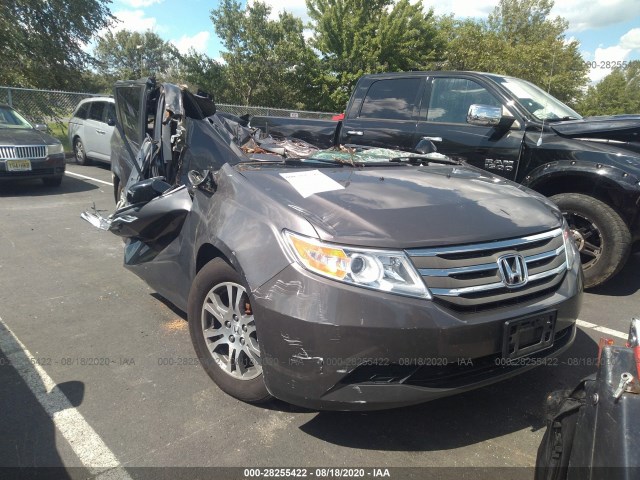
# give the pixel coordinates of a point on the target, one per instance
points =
(101, 132)
(433, 139)
(359, 133)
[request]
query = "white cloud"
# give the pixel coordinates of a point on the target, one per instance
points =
(604, 56)
(595, 13)
(134, 20)
(140, 3)
(570, 39)
(631, 39)
(307, 33)
(198, 42)
(580, 14)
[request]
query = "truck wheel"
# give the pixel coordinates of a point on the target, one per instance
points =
(223, 332)
(602, 236)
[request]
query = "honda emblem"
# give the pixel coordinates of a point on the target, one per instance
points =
(513, 270)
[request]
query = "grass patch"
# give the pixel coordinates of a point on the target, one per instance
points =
(59, 130)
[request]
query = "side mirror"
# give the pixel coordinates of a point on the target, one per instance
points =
(147, 190)
(425, 147)
(111, 122)
(484, 115)
(41, 127)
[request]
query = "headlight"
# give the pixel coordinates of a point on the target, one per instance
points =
(385, 270)
(55, 148)
(569, 244)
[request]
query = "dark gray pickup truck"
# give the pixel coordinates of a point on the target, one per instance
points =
(590, 167)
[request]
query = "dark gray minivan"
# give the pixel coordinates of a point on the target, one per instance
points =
(349, 279)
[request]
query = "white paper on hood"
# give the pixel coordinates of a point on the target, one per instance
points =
(310, 182)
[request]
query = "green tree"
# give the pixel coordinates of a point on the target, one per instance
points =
(127, 55)
(520, 39)
(356, 37)
(199, 71)
(268, 61)
(42, 43)
(617, 93)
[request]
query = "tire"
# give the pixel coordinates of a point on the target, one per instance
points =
(79, 153)
(227, 331)
(52, 181)
(602, 236)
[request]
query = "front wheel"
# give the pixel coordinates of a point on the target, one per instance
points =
(602, 236)
(223, 332)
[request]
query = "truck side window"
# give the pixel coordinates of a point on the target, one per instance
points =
(451, 98)
(391, 99)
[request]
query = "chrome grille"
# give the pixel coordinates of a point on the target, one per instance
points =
(468, 277)
(26, 152)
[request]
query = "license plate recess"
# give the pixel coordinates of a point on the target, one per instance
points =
(527, 335)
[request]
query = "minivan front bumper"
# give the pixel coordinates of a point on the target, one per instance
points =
(328, 345)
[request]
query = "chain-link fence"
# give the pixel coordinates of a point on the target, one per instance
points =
(46, 106)
(272, 112)
(42, 106)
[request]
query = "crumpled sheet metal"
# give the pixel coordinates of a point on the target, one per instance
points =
(288, 147)
(173, 100)
(95, 219)
(283, 147)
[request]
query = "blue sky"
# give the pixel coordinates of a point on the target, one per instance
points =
(608, 30)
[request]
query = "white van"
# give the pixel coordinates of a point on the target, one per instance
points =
(91, 128)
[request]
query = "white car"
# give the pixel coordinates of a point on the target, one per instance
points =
(91, 128)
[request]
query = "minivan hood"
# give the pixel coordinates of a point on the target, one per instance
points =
(24, 136)
(623, 128)
(406, 207)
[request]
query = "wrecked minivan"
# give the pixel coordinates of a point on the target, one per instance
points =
(347, 279)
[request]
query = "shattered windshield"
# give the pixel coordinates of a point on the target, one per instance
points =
(536, 101)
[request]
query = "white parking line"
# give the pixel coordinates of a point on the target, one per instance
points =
(85, 442)
(87, 178)
(605, 330)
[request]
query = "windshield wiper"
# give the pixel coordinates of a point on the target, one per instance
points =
(561, 119)
(424, 160)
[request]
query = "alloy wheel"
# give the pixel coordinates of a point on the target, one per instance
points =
(229, 331)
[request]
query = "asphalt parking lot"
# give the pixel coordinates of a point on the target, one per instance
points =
(116, 369)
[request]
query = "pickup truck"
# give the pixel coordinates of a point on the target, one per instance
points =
(590, 167)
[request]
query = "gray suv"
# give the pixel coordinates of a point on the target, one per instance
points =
(91, 128)
(345, 279)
